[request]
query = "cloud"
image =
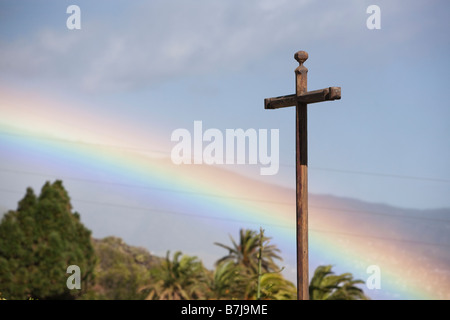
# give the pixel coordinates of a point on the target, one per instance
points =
(153, 42)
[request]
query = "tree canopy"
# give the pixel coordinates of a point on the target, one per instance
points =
(39, 241)
(325, 285)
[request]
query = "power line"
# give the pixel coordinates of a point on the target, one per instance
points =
(272, 225)
(377, 174)
(148, 187)
(382, 238)
(397, 216)
(368, 173)
(152, 210)
(176, 213)
(147, 209)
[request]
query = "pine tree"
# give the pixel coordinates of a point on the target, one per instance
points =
(38, 241)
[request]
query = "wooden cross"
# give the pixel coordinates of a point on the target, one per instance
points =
(301, 99)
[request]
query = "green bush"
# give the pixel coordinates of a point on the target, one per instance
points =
(38, 241)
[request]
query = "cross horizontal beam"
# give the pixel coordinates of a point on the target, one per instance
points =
(327, 94)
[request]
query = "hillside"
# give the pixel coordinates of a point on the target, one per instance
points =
(410, 246)
(122, 269)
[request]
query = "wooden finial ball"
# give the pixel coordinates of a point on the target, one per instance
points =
(301, 56)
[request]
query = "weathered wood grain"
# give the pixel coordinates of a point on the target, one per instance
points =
(300, 100)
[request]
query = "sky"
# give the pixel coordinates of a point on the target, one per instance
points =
(137, 71)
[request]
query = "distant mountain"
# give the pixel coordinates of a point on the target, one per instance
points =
(428, 231)
(412, 247)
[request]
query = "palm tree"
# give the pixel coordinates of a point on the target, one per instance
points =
(228, 281)
(247, 251)
(255, 275)
(179, 279)
(273, 287)
(327, 286)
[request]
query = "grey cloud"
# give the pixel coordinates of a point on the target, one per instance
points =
(154, 42)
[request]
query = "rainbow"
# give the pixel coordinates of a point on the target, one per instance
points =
(47, 136)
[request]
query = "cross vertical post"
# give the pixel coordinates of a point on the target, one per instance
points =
(301, 154)
(300, 100)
